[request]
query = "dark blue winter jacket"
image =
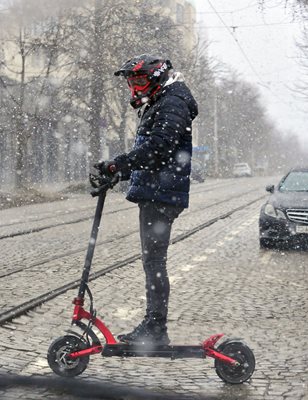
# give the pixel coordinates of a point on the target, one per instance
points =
(161, 158)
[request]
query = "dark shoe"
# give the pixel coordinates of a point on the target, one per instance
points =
(147, 331)
(126, 337)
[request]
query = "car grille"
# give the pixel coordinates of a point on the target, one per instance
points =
(298, 215)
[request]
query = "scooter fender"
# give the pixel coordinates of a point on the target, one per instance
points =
(226, 341)
(84, 328)
(213, 347)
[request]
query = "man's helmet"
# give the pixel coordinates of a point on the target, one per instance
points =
(145, 76)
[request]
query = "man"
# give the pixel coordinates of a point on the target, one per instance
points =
(159, 167)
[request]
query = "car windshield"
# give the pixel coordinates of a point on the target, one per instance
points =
(295, 182)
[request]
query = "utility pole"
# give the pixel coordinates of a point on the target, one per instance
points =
(215, 133)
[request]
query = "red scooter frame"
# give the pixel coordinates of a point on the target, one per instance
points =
(69, 355)
(112, 347)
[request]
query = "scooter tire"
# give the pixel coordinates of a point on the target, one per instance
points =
(58, 360)
(240, 352)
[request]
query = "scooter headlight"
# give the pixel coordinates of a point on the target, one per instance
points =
(274, 213)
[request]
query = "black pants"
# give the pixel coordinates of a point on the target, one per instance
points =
(155, 228)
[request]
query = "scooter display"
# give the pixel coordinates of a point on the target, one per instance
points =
(69, 355)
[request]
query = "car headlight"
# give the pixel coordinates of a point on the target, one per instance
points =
(272, 212)
(280, 214)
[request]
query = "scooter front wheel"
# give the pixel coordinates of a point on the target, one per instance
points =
(58, 359)
(240, 352)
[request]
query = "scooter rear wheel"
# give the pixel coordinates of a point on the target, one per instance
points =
(240, 352)
(59, 361)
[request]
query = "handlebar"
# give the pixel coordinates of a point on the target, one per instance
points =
(101, 183)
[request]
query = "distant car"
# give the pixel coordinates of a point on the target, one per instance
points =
(284, 217)
(241, 169)
(197, 171)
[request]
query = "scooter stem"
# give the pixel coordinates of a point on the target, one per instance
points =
(92, 242)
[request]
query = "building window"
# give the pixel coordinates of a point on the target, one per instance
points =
(179, 13)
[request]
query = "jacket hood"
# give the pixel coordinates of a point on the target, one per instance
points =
(176, 86)
(175, 77)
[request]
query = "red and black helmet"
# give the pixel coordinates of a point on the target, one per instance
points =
(145, 76)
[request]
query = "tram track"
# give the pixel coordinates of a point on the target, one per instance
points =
(50, 226)
(118, 237)
(60, 213)
(29, 305)
(82, 219)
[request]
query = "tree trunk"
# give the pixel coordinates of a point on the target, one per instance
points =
(96, 100)
(21, 137)
(95, 115)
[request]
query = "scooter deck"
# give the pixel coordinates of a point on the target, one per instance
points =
(150, 350)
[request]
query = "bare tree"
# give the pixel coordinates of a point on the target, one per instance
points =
(104, 37)
(74, 99)
(241, 130)
(301, 88)
(29, 89)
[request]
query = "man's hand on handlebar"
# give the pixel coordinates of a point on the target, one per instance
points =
(107, 177)
(107, 168)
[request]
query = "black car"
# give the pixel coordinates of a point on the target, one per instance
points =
(284, 217)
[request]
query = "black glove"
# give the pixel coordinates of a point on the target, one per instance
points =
(107, 168)
(98, 181)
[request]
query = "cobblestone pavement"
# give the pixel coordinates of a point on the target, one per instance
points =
(53, 257)
(220, 282)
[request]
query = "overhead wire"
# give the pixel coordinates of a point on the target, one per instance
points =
(243, 26)
(236, 40)
(261, 82)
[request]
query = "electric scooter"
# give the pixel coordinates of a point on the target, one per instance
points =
(69, 355)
